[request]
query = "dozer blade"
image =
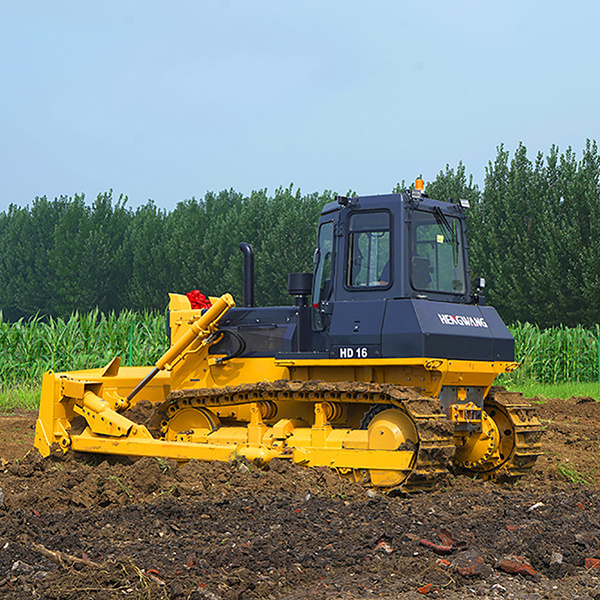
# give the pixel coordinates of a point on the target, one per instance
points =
(98, 395)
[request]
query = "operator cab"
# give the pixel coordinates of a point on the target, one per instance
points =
(391, 246)
(391, 281)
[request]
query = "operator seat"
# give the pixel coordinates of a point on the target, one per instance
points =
(421, 272)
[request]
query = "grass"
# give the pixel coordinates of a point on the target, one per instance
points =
(556, 354)
(530, 389)
(548, 357)
(572, 474)
(20, 396)
(29, 348)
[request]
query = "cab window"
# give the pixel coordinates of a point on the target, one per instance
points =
(437, 253)
(323, 282)
(368, 263)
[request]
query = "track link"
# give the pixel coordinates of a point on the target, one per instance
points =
(436, 445)
(527, 432)
(433, 453)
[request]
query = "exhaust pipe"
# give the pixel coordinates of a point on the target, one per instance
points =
(248, 274)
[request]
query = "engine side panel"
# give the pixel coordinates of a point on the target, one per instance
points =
(444, 330)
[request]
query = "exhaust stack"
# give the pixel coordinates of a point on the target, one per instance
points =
(248, 274)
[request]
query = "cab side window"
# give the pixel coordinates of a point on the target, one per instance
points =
(369, 252)
(323, 283)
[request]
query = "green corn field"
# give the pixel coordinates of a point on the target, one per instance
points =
(556, 355)
(29, 348)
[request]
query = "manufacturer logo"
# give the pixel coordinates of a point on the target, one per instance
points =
(462, 321)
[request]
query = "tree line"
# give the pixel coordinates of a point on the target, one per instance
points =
(534, 234)
(63, 255)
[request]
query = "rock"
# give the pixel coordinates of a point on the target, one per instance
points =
(20, 567)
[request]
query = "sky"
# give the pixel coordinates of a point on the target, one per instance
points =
(168, 100)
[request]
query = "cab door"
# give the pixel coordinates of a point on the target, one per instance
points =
(356, 321)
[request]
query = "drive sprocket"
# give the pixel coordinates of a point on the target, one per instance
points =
(510, 441)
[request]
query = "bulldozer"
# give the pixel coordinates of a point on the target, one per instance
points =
(383, 369)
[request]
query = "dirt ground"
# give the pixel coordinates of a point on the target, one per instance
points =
(87, 527)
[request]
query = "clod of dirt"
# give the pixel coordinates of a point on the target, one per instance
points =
(471, 564)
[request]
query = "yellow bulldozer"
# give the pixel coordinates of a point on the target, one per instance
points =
(382, 369)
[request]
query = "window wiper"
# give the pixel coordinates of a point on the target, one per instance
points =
(442, 220)
(440, 217)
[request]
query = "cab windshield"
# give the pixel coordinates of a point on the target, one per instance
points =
(368, 262)
(437, 253)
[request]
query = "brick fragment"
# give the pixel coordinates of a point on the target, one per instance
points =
(437, 548)
(592, 563)
(383, 546)
(517, 565)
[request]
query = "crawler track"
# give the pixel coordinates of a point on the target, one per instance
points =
(519, 428)
(432, 453)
